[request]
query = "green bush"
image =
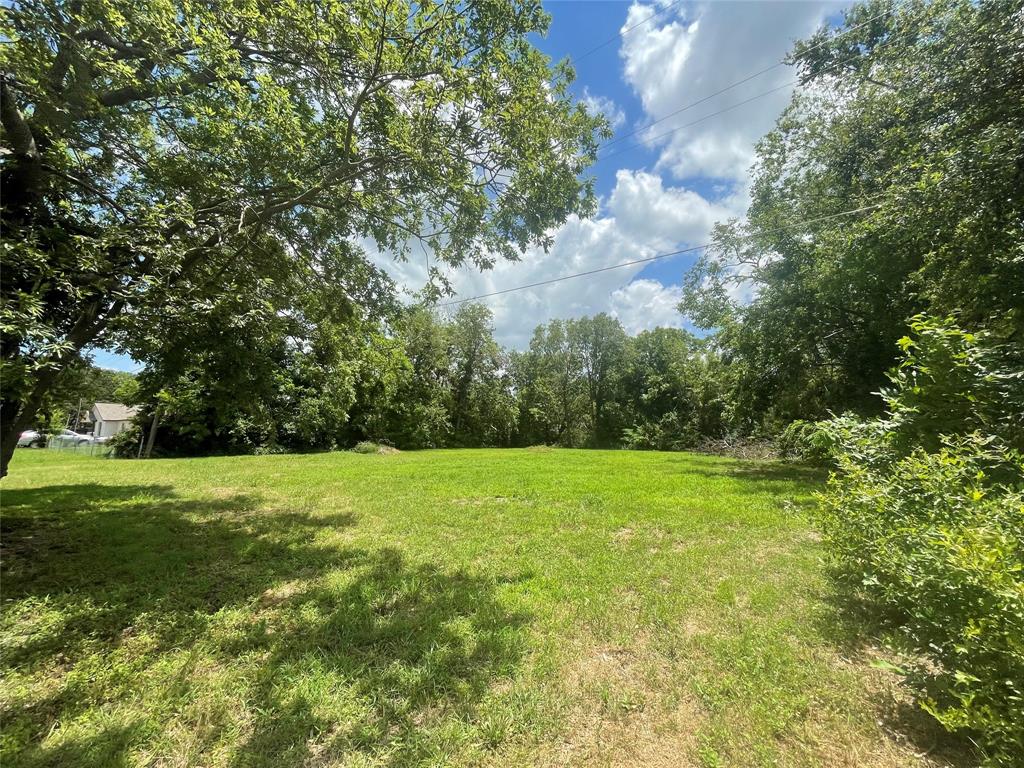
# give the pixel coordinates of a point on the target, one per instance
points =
(924, 521)
(125, 444)
(666, 434)
(807, 441)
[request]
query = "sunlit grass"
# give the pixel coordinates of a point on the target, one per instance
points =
(438, 608)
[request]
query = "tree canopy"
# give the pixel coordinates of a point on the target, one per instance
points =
(172, 164)
(914, 119)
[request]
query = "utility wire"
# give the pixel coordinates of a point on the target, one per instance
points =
(649, 259)
(791, 83)
(746, 79)
(669, 132)
(623, 32)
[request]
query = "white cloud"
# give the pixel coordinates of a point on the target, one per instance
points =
(647, 304)
(644, 208)
(674, 62)
(603, 105)
(643, 218)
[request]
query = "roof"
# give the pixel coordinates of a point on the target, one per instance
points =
(113, 412)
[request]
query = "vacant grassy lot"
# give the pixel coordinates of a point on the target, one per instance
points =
(533, 607)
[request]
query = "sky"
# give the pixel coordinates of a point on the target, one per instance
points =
(659, 190)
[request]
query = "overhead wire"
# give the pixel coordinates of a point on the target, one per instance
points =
(624, 32)
(649, 259)
(746, 79)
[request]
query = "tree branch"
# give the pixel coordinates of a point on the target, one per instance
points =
(18, 131)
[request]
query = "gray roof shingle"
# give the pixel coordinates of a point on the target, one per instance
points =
(113, 412)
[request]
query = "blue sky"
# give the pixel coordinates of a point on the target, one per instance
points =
(657, 194)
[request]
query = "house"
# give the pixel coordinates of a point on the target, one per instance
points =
(111, 418)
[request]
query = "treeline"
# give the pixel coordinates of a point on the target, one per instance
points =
(423, 380)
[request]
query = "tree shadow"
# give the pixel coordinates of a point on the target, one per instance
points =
(330, 649)
(779, 472)
(759, 471)
(858, 629)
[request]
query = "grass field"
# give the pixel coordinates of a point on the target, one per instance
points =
(486, 607)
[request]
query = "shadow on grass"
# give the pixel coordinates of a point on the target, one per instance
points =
(305, 651)
(757, 471)
(858, 630)
(778, 472)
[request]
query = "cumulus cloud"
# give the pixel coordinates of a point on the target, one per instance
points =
(643, 217)
(673, 62)
(643, 207)
(644, 305)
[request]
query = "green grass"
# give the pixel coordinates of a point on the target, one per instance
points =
(486, 607)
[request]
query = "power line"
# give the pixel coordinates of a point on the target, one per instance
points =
(738, 104)
(647, 260)
(746, 79)
(623, 32)
(791, 83)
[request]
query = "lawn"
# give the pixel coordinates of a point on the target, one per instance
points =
(478, 607)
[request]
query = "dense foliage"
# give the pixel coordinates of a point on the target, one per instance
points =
(423, 380)
(914, 121)
(924, 520)
(185, 165)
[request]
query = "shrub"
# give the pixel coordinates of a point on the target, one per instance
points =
(666, 434)
(938, 547)
(125, 444)
(368, 446)
(927, 527)
(807, 441)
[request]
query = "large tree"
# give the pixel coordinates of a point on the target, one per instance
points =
(163, 158)
(602, 342)
(914, 119)
(554, 407)
(483, 409)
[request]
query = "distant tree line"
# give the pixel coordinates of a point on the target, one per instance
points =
(425, 380)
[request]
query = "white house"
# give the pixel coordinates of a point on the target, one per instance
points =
(111, 418)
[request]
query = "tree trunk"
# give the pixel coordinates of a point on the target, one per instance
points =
(11, 427)
(18, 415)
(22, 415)
(152, 432)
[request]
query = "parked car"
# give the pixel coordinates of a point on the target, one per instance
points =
(31, 439)
(68, 439)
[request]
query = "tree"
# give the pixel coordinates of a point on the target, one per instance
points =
(162, 160)
(601, 342)
(483, 411)
(914, 120)
(676, 389)
(552, 390)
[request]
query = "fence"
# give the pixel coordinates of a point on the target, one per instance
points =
(85, 447)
